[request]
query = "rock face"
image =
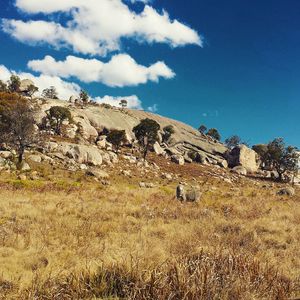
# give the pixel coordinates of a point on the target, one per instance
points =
(243, 156)
(189, 194)
(92, 119)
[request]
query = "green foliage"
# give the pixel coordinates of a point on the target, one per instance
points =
(214, 133)
(56, 116)
(3, 86)
(14, 84)
(281, 157)
(31, 90)
(233, 141)
(167, 133)
(123, 103)
(50, 93)
(202, 129)
(146, 133)
(262, 151)
(117, 138)
(17, 125)
(84, 96)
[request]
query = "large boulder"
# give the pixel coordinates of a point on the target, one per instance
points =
(24, 85)
(158, 149)
(243, 156)
(189, 194)
(83, 154)
(287, 191)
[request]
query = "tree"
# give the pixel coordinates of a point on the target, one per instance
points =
(56, 116)
(3, 86)
(281, 157)
(167, 133)
(123, 103)
(214, 133)
(17, 125)
(202, 129)
(262, 151)
(14, 84)
(50, 93)
(146, 133)
(233, 141)
(84, 96)
(31, 90)
(117, 138)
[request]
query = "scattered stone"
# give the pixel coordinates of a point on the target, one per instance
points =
(240, 170)
(35, 158)
(287, 191)
(83, 167)
(148, 185)
(99, 174)
(22, 177)
(6, 154)
(166, 176)
(178, 159)
(24, 166)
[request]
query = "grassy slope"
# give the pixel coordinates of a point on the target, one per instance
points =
(121, 239)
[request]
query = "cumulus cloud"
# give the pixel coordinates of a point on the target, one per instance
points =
(66, 89)
(121, 70)
(97, 26)
(132, 101)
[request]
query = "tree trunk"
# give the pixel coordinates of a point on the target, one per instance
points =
(20, 154)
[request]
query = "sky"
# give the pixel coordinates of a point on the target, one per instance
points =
(233, 65)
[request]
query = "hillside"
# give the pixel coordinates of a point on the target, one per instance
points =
(80, 221)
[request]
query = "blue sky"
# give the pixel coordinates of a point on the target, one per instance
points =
(233, 65)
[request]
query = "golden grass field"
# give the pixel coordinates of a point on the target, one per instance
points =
(68, 237)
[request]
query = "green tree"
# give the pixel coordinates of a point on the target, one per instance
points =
(3, 86)
(31, 90)
(123, 103)
(168, 131)
(202, 129)
(146, 133)
(214, 133)
(14, 84)
(117, 138)
(56, 116)
(50, 93)
(17, 125)
(84, 96)
(233, 141)
(281, 157)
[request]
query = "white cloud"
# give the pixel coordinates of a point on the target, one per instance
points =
(66, 89)
(121, 70)
(132, 101)
(153, 108)
(97, 26)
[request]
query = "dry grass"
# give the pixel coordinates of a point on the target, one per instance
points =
(73, 238)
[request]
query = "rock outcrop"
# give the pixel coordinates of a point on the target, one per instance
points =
(243, 156)
(91, 120)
